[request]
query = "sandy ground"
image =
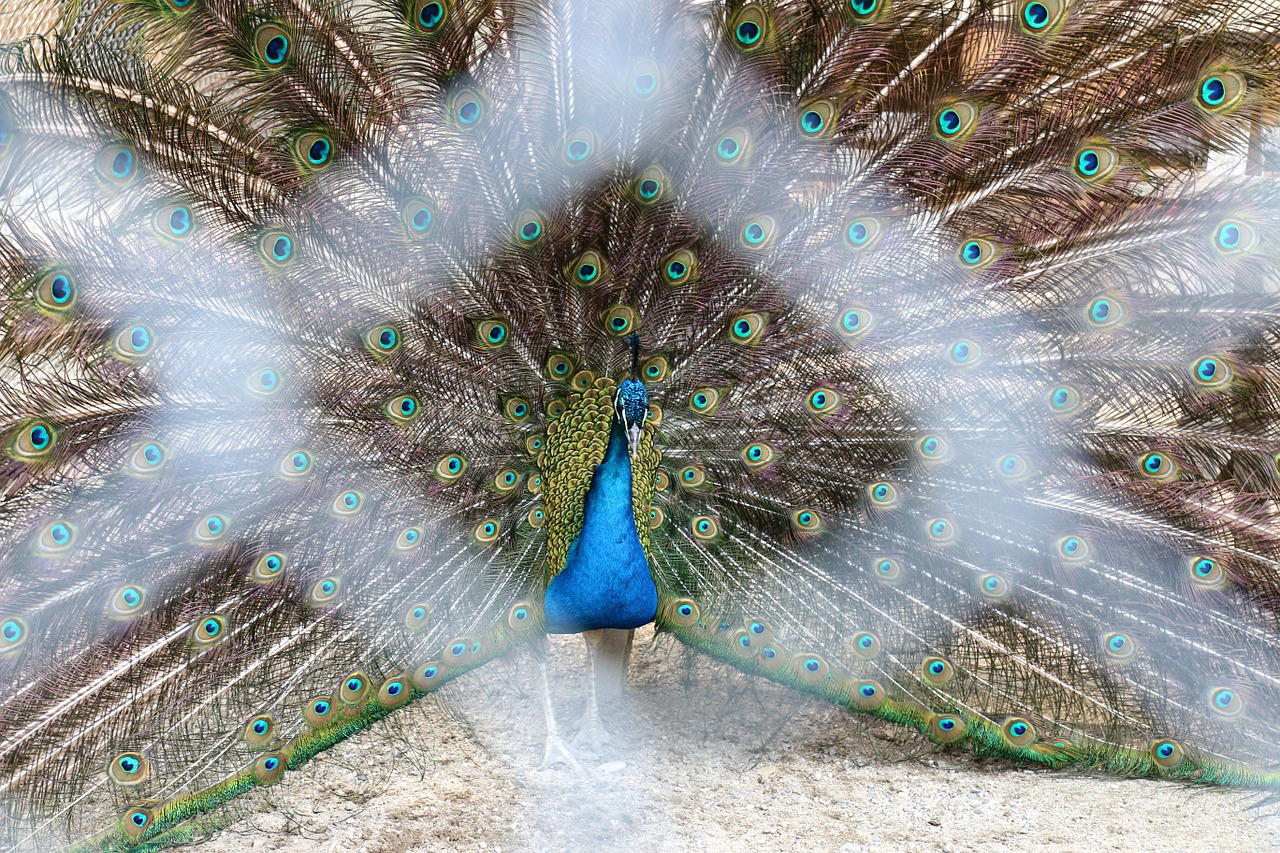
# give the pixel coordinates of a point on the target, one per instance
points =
(703, 759)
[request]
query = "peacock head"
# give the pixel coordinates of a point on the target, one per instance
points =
(631, 406)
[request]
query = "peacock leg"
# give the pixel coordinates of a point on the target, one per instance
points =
(555, 751)
(591, 734)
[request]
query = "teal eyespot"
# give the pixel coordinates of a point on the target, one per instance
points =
(941, 531)
(578, 147)
(864, 645)
(588, 269)
(325, 591)
(817, 119)
(33, 441)
(977, 253)
(645, 78)
(127, 601)
(650, 186)
(13, 633)
(863, 8)
(451, 467)
(347, 503)
(758, 455)
(55, 538)
(55, 292)
(487, 531)
(807, 521)
(1234, 237)
(129, 769)
(955, 121)
(277, 248)
(174, 223)
(964, 353)
(1211, 372)
(862, 232)
(747, 328)
(1018, 732)
(823, 401)
(1220, 91)
(886, 568)
(1207, 573)
(1039, 17)
(313, 150)
(1095, 163)
(295, 464)
(936, 671)
(1158, 466)
(468, 109)
(116, 165)
(1167, 753)
(1119, 647)
(429, 15)
(994, 587)
(133, 343)
(748, 27)
(418, 217)
(268, 567)
(1064, 400)
(265, 382)
(705, 528)
(210, 529)
(883, 495)
(1104, 312)
(209, 630)
(1226, 702)
(274, 44)
(758, 232)
(528, 228)
(493, 333)
(933, 448)
(1073, 550)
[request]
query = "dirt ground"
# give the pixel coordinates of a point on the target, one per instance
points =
(703, 759)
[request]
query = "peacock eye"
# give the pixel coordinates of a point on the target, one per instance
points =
(588, 269)
(55, 538)
(268, 567)
(1226, 702)
(1220, 91)
(757, 455)
(55, 292)
(273, 44)
(1211, 372)
(620, 320)
(817, 118)
(276, 247)
(705, 527)
(528, 228)
(127, 601)
(210, 529)
(862, 233)
(732, 147)
(33, 441)
(1095, 163)
(955, 121)
(295, 464)
(408, 539)
(487, 531)
(823, 401)
(806, 521)
(993, 587)
(1235, 237)
(429, 15)
(964, 353)
(578, 147)
(934, 448)
(492, 334)
(265, 382)
(13, 633)
(347, 503)
(467, 108)
(645, 78)
(748, 28)
(116, 165)
(209, 630)
(174, 223)
(1064, 400)
(978, 253)
(418, 216)
(313, 150)
(382, 340)
(863, 8)
(559, 366)
(703, 401)
(650, 186)
(325, 591)
(1042, 16)
(883, 495)
(758, 232)
(941, 531)
(1158, 466)
(1119, 646)
(747, 328)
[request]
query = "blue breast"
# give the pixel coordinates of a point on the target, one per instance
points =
(605, 582)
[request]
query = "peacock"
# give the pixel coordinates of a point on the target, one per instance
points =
(922, 356)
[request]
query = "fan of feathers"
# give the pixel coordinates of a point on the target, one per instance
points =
(922, 356)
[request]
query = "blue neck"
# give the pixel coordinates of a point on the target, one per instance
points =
(606, 581)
